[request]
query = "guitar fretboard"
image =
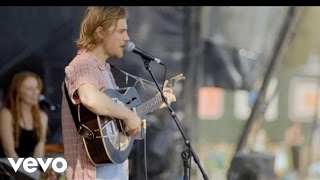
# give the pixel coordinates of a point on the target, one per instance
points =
(149, 106)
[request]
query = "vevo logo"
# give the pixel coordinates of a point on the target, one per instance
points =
(30, 164)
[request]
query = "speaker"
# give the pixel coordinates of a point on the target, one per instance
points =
(4, 174)
(252, 166)
(7, 172)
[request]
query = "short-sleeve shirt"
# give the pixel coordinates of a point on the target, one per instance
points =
(84, 68)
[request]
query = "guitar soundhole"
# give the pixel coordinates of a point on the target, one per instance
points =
(119, 125)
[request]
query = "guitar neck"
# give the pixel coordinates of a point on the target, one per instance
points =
(149, 106)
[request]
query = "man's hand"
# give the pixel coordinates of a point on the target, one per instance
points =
(168, 94)
(133, 124)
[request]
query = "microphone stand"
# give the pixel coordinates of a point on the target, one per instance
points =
(186, 154)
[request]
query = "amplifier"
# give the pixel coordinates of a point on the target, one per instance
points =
(252, 166)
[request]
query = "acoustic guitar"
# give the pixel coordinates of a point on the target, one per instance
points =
(110, 144)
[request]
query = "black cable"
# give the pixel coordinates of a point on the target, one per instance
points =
(165, 73)
(189, 163)
(145, 138)
(145, 155)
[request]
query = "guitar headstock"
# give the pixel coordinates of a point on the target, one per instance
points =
(172, 81)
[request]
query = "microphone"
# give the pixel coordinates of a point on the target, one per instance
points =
(46, 103)
(130, 47)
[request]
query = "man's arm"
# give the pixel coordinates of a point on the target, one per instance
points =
(99, 103)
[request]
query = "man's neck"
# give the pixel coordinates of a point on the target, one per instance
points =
(100, 55)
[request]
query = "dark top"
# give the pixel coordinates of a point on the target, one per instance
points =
(27, 142)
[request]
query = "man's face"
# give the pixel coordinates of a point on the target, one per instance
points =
(113, 44)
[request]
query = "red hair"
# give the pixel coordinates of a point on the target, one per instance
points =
(13, 103)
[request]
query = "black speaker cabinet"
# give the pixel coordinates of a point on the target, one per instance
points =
(7, 173)
(252, 166)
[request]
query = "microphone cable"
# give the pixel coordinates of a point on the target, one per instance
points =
(145, 129)
(165, 73)
(144, 126)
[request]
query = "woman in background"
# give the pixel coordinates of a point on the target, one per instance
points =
(23, 125)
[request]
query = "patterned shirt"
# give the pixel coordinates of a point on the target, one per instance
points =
(84, 68)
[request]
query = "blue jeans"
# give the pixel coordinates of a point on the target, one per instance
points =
(113, 171)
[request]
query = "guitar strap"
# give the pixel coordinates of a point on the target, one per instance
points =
(81, 128)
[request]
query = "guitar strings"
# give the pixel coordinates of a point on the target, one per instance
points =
(137, 79)
(142, 81)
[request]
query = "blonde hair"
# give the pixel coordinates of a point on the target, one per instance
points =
(95, 16)
(12, 102)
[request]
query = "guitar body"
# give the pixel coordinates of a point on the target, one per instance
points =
(110, 144)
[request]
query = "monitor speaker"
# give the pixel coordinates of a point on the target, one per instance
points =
(252, 166)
